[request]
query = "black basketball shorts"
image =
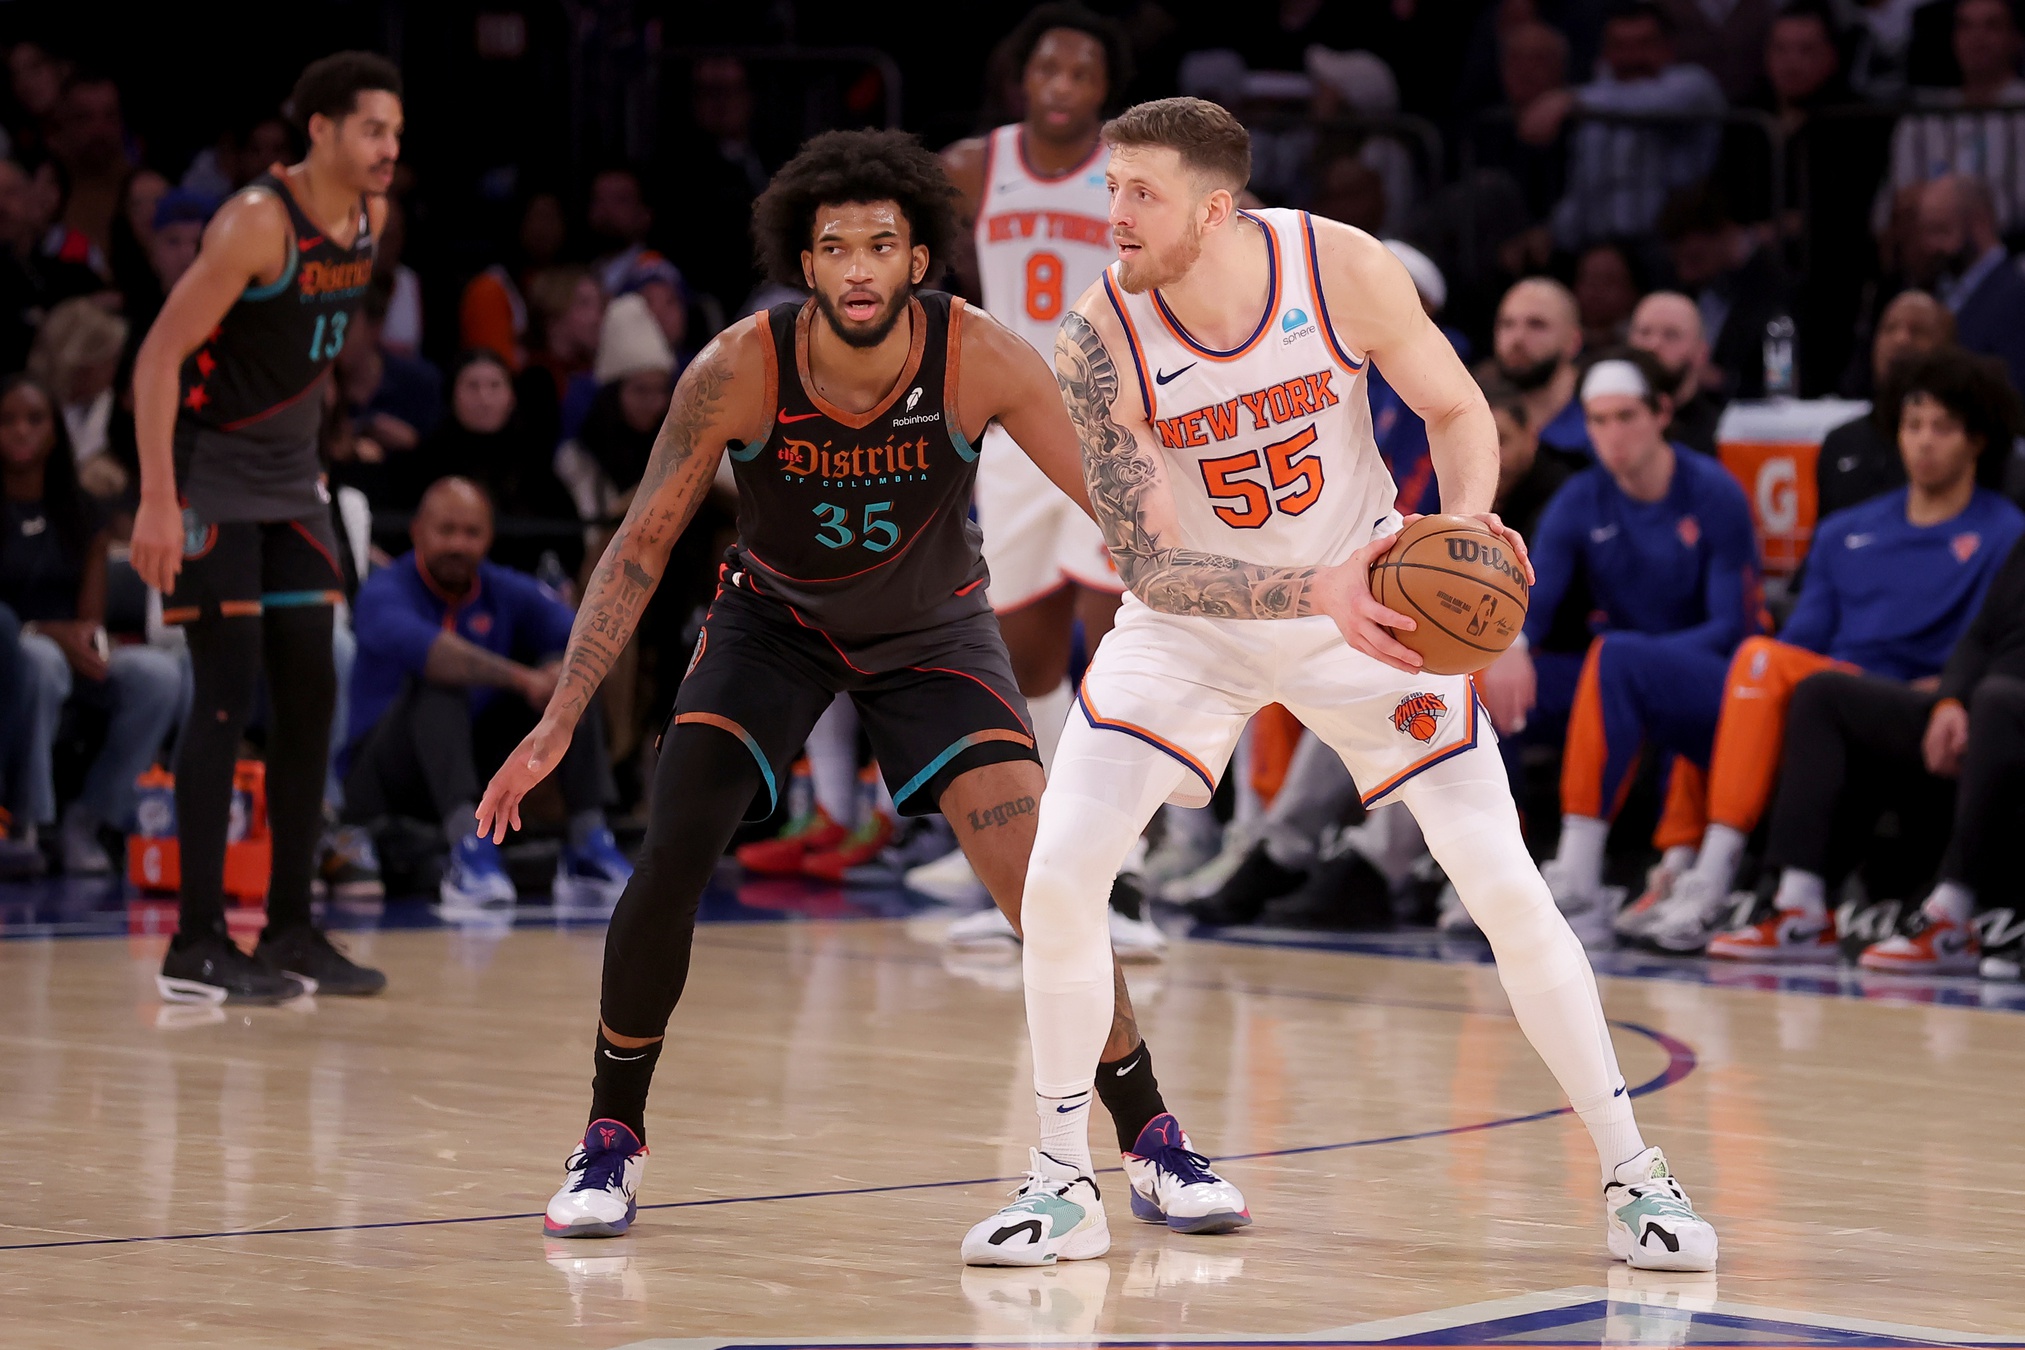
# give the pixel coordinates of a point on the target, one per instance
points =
(934, 704)
(237, 568)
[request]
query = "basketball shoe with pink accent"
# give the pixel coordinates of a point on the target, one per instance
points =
(1173, 1184)
(597, 1197)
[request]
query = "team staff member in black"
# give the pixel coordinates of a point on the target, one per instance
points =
(854, 442)
(234, 521)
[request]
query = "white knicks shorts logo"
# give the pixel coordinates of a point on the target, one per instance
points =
(1420, 716)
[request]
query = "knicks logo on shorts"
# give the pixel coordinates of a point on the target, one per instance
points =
(1419, 716)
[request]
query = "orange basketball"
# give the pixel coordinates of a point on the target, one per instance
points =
(1461, 586)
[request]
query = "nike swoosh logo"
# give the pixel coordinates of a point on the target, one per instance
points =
(798, 417)
(1129, 1067)
(1162, 377)
(305, 245)
(1619, 1092)
(1064, 1110)
(626, 1059)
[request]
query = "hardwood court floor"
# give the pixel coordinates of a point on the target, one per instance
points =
(834, 1100)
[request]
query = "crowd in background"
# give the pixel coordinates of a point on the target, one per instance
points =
(1770, 199)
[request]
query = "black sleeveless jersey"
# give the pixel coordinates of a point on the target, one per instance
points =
(861, 521)
(277, 340)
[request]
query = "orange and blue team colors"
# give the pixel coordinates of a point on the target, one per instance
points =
(1881, 595)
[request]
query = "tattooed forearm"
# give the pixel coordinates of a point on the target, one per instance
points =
(676, 480)
(1124, 478)
(453, 660)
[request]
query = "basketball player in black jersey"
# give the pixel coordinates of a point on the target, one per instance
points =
(234, 521)
(852, 422)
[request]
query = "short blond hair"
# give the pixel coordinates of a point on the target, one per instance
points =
(1212, 143)
(77, 333)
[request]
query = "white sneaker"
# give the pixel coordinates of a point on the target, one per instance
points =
(1568, 898)
(77, 840)
(1173, 1184)
(1684, 922)
(1635, 920)
(1650, 1222)
(948, 879)
(1209, 878)
(987, 925)
(1136, 938)
(1055, 1215)
(604, 1175)
(1178, 853)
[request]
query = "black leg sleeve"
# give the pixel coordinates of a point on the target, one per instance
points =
(1835, 721)
(225, 674)
(302, 691)
(702, 785)
(1989, 790)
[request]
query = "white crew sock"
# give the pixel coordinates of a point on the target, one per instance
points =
(1050, 712)
(833, 761)
(1679, 858)
(1722, 850)
(1465, 809)
(1065, 1129)
(1580, 856)
(1801, 893)
(1951, 901)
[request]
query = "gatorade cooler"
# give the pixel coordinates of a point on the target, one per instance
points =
(154, 862)
(1770, 445)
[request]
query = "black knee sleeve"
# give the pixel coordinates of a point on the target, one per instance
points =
(702, 785)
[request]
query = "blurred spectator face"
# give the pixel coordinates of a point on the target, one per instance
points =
(144, 193)
(1532, 60)
(1700, 256)
(1626, 433)
(89, 135)
(1914, 323)
(1154, 217)
(574, 332)
(1517, 448)
(1635, 47)
(1800, 57)
(1065, 84)
(267, 145)
(1351, 191)
(37, 79)
(1986, 41)
(1605, 292)
(1937, 449)
(1952, 233)
(172, 249)
(664, 302)
(1536, 333)
(643, 399)
(720, 99)
(27, 428)
(482, 398)
(618, 213)
(1668, 325)
(542, 230)
(452, 533)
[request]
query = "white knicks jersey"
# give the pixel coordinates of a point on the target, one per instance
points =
(1041, 242)
(1268, 447)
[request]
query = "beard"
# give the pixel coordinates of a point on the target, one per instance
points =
(872, 331)
(1145, 273)
(1947, 267)
(1676, 378)
(1530, 377)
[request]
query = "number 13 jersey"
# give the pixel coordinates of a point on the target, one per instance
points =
(1268, 446)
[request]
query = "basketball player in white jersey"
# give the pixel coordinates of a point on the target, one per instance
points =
(1216, 377)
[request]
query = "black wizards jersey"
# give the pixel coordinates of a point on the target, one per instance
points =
(860, 521)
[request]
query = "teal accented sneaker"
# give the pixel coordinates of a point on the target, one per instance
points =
(1651, 1224)
(1055, 1215)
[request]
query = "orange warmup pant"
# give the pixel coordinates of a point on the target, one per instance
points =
(1752, 727)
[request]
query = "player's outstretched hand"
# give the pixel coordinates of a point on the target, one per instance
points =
(530, 762)
(156, 548)
(1345, 595)
(1510, 538)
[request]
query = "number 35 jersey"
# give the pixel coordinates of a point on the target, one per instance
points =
(1267, 446)
(860, 521)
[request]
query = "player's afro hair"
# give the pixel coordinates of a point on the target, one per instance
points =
(1109, 33)
(852, 166)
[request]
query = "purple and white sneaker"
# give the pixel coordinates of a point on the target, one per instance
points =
(604, 1175)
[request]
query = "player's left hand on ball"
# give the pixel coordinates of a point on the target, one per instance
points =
(1509, 536)
(1345, 595)
(530, 762)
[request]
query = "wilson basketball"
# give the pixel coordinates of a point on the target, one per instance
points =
(1461, 586)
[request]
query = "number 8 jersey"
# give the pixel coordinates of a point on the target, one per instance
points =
(1267, 446)
(1040, 241)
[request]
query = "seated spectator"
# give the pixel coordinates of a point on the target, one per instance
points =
(1859, 459)
(720, 171)
(1736, 280)
(457, 656)
(1890, 586)
(1662, 542)
(1534, 343)
(1606, 291)
(401, 327)
(654, 279)
(555, 387)
(88, 138)
(619, 220)
(1667, 324)
(1973, 127)
(1620, 175)
(31, 282)
(174, 234)
(1971, 272)
(485, 441)
(635, 369)
(1728, 41)
(133, 226)
(394, 401)
(1533, 71)
(240, 155)
(77, 356)
(1856, 744)
(1347, 189)
(493, 313)
(52, 582)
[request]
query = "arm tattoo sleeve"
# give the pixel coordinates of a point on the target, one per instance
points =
(1125, 478)
(675, 483)
(455, 660)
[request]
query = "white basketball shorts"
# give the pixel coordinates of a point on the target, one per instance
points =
(1034, 538)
